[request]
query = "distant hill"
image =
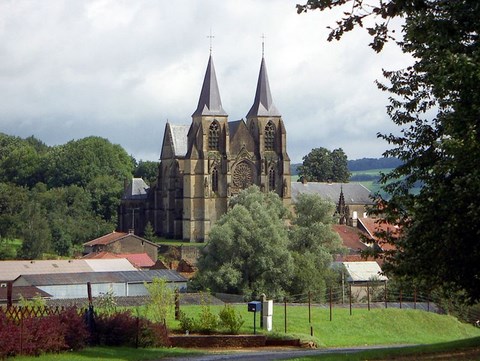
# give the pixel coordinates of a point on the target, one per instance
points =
(361, 164)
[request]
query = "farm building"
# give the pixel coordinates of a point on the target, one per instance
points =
(121, 283)
(121, 243)
(11, 270)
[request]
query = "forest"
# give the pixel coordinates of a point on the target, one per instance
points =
(55, 198)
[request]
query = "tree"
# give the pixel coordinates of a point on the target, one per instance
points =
(147, 170)
(322, 165)
(313, 243)
(436, 103)
(161, 299)
(80, 161)
(247, 252)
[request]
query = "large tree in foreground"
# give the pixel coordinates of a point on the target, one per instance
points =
(247, 251)
(436, 103)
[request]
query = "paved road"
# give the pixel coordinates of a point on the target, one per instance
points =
(273, 354)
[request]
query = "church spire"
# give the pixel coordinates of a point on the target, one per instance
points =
(209, 102)
(263, 103)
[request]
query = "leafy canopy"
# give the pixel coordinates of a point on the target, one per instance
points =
(322, 165)
(436, 104)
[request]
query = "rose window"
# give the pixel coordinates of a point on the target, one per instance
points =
(242, 176)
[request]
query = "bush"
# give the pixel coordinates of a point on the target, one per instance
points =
(230, 319)
(207, 322)
(116, 329)
(153, 334)
(186, 323)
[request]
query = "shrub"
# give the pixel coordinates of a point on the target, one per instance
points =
(186, 323)
(116, 329)
(230, 319)
(76, 335)
(153, 334)
(207, 322)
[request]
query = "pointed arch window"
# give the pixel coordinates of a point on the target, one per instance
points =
(214, 136)
(271, 179)
(270, 136)
(214, 179)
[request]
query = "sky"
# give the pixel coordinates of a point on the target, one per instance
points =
(121, 69)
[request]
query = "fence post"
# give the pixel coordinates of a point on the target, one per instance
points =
(21, 329)
(400, 298)
(386, 294)
(415, 298)
(9, 294)
(350, 299)
(368, 296)
(177, 304)
(309, 307)
(285, 306)
(330, 303)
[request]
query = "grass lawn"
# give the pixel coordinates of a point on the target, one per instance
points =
(111, 354)
(375, 327)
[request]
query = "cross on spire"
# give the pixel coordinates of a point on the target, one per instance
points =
(210, 37)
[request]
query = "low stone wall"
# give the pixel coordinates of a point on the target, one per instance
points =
(212, 341)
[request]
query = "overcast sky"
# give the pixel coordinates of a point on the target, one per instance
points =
(119, 69)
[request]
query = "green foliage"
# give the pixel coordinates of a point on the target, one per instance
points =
(187, 324)
(34, 302)
(312, 243)
(106, 303)
(161, 300)
(435, 103)
(322, 165)
(230, 319)
(247, 249)
(8, 249)
(208, 321)
(147, 170)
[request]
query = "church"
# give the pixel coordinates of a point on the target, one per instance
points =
(204, 164)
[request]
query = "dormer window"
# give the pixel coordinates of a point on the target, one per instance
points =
(270, 136)
(214, 136)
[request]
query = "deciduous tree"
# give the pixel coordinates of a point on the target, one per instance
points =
(322, 165)
(436, 104)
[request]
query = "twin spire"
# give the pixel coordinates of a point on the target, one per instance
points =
(210, 103)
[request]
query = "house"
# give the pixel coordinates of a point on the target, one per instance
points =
(122, 243)
(361, 276)
(121, 283)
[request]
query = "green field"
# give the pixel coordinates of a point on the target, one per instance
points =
(364, 328)
(374, 327)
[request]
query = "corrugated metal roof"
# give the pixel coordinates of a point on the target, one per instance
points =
(102, 277)
(10, 270)
(354, 193)
(364, 271)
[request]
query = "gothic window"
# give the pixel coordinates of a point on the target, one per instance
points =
(214, 136)
(271, 179)
(269, 136)
(215, 179)
(242, 176)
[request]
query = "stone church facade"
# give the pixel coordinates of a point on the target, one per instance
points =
(204, 164)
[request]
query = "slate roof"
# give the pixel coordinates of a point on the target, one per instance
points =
(263, 103)
(10, 270)
(354, 193)
(178, 134)
(102, 277)
(137, 189)
(233, 127)
(209, 102)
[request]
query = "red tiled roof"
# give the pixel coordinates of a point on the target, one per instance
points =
(106, 239)
(371, 226)
(350, 237)
(139, 260)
